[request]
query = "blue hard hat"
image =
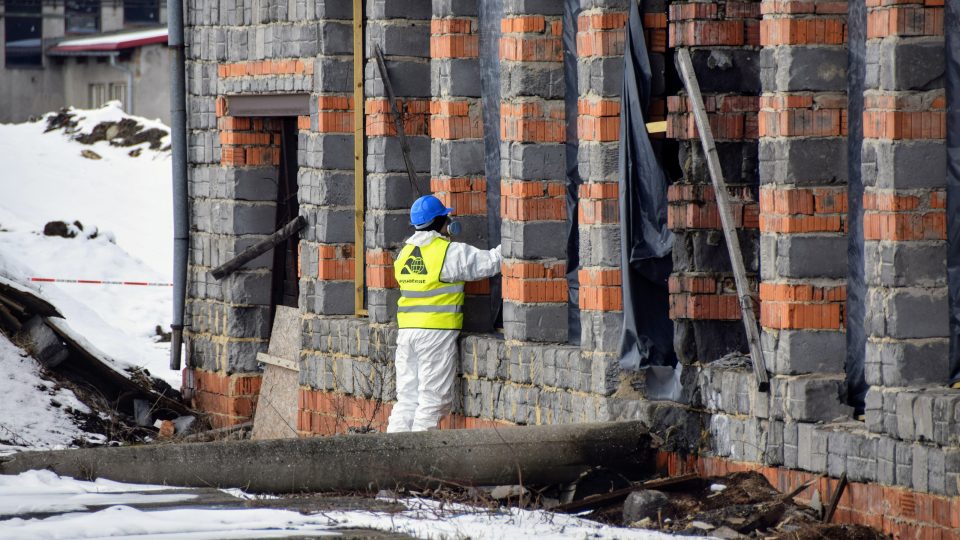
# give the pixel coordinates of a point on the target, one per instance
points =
(426, 209)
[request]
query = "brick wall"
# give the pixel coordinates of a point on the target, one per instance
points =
(723, 41)
(533, 176)
(774, 78)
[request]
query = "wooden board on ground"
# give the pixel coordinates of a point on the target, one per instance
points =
(276, 415)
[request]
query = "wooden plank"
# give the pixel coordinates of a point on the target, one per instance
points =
(259, 248)
(397, 119)
(726, 218)
(359, 163)
(272, 360)
(835, 500)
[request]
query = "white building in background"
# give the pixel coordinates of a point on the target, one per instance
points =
(83, 53)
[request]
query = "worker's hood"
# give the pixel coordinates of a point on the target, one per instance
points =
(422, 238)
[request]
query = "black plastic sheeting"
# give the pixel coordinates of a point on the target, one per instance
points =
(856, 281)
(952, 36)
(645, 242)
(570, 12)
(490, 14)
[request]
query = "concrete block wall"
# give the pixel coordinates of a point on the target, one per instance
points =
(723, 40)
(601, 35)
(803, 202)
(533, 175)
(779, 123)
(457, 174)
(402, 31)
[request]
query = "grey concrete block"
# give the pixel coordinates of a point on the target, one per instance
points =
(706, 251)
(533, 239)
(535, 79)
(247, 288)
(812, 449)
(597, 162)
(727, 70)
(457, 157)
(605, 373)
(325, 188)
(795, 68)
(245, 218)
(328, 297)
(455, 77)
(816, 398)
(804, 162)
(599, 246)
(600, 331)
(410, 78)
(603, 75)
(382, 305)
(333, 9)
(399, 9)
(795, 352)
(905, 363)
(803, 256)
(259, 184)
(451, 8)
(532, 7)
(326, 151)
(398, 38)
(525, 161)
(329, 225)
(904, 264)
(905, 65)
(332, 75)
(241, 356)
(905, 313)
(393, 191)
(535, 322)
(739, 162)
(387, 229)
(335, 38)
(384, 154)
(919, 164)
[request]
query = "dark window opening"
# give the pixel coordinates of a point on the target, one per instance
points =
(286, 283)
(141, 12)
(23, 34)
(82, 16)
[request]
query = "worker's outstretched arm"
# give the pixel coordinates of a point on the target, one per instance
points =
(467, 263)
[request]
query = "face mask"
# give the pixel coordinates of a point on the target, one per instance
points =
(454, 228)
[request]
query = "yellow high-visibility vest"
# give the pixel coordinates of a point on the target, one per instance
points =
(425, 301)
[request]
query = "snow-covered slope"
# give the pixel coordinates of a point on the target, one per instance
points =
(126, 197)
(36, 414)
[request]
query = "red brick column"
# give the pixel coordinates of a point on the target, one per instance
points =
(533, 185)
(803, 205)
(904, 224)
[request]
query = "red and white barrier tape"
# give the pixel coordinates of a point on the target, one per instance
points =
(100, 282)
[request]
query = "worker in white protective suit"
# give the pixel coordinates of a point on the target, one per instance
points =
(431, 271)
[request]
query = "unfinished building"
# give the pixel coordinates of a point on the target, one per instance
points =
(831, 126)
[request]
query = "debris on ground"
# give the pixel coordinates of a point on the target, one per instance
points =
(740, 505)
(125, 132)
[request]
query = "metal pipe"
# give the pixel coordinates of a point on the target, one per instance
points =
(178, 139)
(129, 74)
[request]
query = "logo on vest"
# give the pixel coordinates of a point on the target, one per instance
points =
(414, 264)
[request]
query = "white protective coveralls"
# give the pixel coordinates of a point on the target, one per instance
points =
(426, 360)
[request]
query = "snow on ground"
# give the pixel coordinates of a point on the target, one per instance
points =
(421, 518)
(45, 492)
(42, 420)
(45, 178)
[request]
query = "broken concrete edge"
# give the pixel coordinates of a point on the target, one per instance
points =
(531, 454)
